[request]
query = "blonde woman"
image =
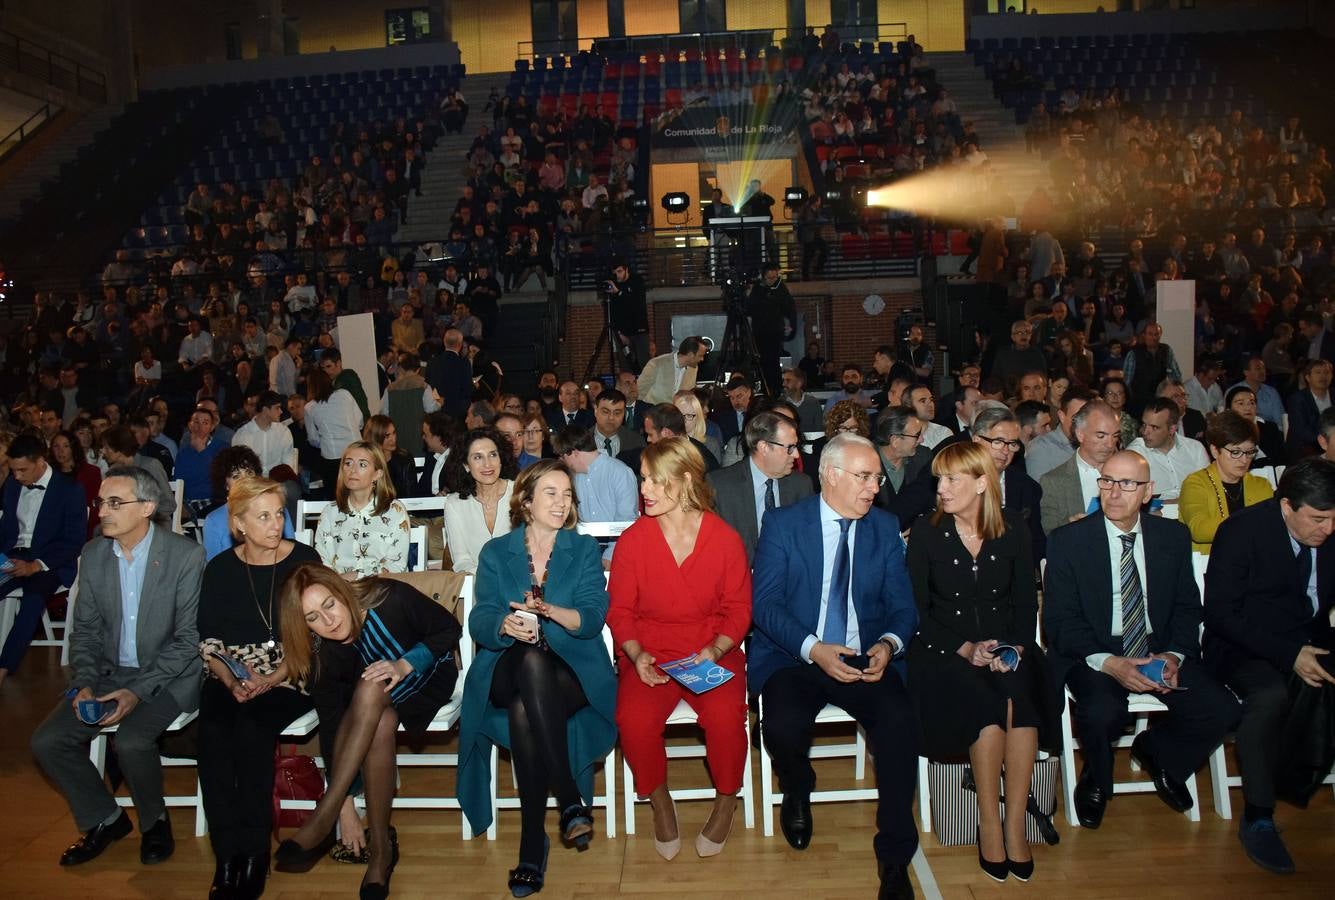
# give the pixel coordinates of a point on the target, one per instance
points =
(364, 532)
(697, 423)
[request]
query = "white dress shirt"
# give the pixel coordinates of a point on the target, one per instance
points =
(1170, 467)
(934, 433)
(1089, 483)
(334, 423)
(273, 445)
(30, 507)
(1096, 660)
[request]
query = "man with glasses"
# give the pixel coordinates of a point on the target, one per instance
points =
(833, 610)
(1020, 357)
(135, 648)
(1070, 491)
(764, 480)
(1120, 594)
(909, 488)
(511, 427)
(998, 430)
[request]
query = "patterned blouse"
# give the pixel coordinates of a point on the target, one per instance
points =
(361, 541)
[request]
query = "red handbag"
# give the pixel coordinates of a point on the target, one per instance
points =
(296, 777)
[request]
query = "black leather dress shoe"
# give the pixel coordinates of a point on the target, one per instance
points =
(895, 884)
(252, 875)
(1090, 803)
(225, 876)
(1171, 791)
(157, 844)
(95, 840)
(795, 819)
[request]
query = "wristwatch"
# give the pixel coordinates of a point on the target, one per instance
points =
(891, 644)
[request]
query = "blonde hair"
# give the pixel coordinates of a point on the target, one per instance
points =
(382, 489)
(676, 461)
(527, 482)
(245, 491)
(688, 403)
(970, 458)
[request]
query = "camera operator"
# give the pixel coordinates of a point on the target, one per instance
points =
(773, 321)
(630, 313)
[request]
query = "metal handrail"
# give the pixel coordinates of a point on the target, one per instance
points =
(740, 39)
(56, 69)
(10, 143)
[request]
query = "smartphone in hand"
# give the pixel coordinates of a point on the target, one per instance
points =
(531, 622)
(859, 661)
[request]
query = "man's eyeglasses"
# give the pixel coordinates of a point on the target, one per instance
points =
(864, 477)
(905, 434)
(1127, 484)
(1239, 453)
(1003, 444)
(532, 431)
(789, 449)
(113, 502)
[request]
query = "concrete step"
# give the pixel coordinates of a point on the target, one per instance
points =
(27, 183)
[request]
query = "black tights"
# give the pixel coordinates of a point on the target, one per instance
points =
(541, 693)
(365, 742)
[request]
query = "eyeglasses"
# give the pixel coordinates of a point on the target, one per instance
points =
(535, 431)
(905, 434)
(789, 449)
(1239, 453)
(847, 429)
(114, 502)
(1003, 444)
(1127, 484)
(864, 477)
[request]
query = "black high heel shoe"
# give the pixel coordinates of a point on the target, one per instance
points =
(1023, 871)
(526, 878)
(292, 857)
(997, 871)
(375, 890)
(577, 825)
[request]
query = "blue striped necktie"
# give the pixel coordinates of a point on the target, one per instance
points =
(836, 604)
(1135, 637)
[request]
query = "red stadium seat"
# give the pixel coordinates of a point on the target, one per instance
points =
(853, 247)
(959, 243)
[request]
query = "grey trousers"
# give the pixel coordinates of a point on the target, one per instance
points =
(61, 747)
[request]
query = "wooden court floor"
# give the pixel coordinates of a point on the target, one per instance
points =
(1143, 849)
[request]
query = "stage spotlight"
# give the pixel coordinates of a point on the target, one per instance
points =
(676, 202)
(834, 195)
(639, 204)
(794, 196)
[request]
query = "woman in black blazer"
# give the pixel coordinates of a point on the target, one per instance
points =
(973, 578)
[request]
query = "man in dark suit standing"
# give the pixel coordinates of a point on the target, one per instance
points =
(450, 373)
(745, 491)
(567, 410)
(1268, 596)
(831, 583)
(44, 523)
(1305, 408)
(773, 321)
(1314, 341)
(1120, 592)
(134, 643)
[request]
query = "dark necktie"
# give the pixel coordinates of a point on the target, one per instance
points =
(34, 487)
(1304, 561)
(570, 418)
(836, 604)
(1135, 638)
(769, 494)
(607, 445)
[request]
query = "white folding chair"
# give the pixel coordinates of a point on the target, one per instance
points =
(603, 529)
(830, 715)
(178, 495)
(416, 506)
(684, 715)
(55, 632)
(417, 539)
(308, 512)
(97, 752)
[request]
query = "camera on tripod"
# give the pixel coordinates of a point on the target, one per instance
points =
(736, 284)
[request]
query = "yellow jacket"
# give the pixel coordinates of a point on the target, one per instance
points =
(1201, 505)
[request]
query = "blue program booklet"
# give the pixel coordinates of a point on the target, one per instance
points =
(698, 677)
(1153, 670)
(239, 672)
(1009, 655)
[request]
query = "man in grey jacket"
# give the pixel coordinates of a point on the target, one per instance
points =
(763, 480)
(134, 643)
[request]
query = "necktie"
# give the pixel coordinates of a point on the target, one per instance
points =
(769, 494)
(1304, 561)
(35, 487)
(836, 604)
(607, 445)
(1135, 638)
(570, 418)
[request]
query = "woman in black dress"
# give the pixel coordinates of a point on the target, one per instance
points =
(973, 577)
(376, 653)
(240, 719)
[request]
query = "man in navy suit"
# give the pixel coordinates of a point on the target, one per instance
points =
(830, 583)
(451, 374)
(1119, 593)
(567, 410)
(1268, 596)
(42, 531)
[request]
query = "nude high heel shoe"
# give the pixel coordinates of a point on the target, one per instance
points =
(705, 848)
(669, 849)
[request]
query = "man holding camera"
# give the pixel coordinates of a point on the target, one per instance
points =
(630, 313)
(773, 320)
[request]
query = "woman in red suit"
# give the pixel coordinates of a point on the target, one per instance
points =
(680, 587)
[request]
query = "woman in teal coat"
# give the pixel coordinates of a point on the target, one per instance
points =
(541, 683)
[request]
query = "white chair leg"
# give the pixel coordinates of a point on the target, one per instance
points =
(860, 761)
(924, 796)
(97, 752)
(201, 820)
(610, 782)
(1068, 764)
(767, 800)
(748, 787)
(1193, 814)
(1142, 722)
(628, 794)
(1223, 805)
(491, 829)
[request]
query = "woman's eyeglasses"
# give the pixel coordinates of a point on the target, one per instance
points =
(1240, 453)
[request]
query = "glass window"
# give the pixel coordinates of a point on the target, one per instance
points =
(407, 26)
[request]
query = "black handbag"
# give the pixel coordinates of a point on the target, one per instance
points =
(1307, 742)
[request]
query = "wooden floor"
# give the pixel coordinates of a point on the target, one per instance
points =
(1143, 849)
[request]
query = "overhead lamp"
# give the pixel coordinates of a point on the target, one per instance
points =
(676, 202)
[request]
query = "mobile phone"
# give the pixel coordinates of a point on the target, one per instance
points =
(530, 619)
(859, 661)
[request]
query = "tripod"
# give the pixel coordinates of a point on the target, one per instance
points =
(739, 351)
(606, 339)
